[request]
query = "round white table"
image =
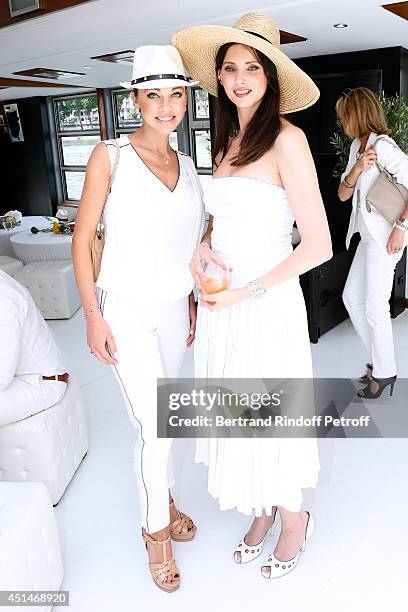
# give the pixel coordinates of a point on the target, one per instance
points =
(41, 247)
(26, 224)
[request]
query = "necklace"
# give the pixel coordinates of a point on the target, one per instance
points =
(166, 159)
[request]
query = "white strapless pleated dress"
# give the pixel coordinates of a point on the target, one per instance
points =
(257, 338)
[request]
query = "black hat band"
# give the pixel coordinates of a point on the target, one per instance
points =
(259, 36)
(157, 77)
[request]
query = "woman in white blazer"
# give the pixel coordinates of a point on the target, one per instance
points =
(369, 283)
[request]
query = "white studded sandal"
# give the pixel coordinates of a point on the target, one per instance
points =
(244, 552)
(278, 568)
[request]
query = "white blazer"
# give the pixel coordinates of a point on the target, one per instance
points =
(396, 162)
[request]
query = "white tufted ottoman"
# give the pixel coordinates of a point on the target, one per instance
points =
(52, 286)
(30, 554)
(48, 446)
(10, 264)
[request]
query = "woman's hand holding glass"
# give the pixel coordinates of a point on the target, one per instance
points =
(203, 255)
(215, 292)
(223, 299)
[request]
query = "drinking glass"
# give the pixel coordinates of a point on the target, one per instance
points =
(216, 278)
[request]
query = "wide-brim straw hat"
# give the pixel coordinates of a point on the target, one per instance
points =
(198, 47)
(156, 67)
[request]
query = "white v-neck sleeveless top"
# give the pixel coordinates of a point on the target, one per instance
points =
(150, 231)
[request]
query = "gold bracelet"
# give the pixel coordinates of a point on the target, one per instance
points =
(255, 288)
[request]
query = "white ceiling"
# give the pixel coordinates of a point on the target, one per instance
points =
(67, 39)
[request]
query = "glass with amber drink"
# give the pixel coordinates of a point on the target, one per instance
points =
(216, 278)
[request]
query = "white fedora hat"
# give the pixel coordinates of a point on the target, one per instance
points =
(199, 45)
(156, 66)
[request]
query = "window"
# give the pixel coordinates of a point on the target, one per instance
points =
(125, 114)
(202, 149)
(77, 128)
(201, 107)
(200, 133)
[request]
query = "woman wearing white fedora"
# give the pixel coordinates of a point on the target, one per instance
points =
(145, 316)
(264, 180)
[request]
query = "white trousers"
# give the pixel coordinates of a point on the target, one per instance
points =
(151, 343)
(22, 399)
(366, 296)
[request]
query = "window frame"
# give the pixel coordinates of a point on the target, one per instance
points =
(196, 125)
(59, 135)
(193, 131)
(119, 131)
(185, 134)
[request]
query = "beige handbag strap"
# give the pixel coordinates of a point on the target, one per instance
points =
(394, 144)
(112, 175)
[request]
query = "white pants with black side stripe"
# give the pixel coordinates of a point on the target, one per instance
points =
(151, 342)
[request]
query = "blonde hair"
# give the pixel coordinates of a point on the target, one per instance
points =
(360, 112)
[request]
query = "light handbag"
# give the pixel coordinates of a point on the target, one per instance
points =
(98, 242)
(386, 195)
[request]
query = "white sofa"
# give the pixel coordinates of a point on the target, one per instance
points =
(52, 286)
(30, 553)
(48, 446)
(11, 265)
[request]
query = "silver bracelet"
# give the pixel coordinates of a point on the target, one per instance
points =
(400, 226)
(255, 288)
(87, 314)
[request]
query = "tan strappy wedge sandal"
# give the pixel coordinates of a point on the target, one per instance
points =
(167, 567)
(183, 528)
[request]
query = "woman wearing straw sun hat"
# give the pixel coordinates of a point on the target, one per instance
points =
(145, 316)
(264, 179)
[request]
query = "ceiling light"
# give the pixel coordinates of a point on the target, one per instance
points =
(339, 26)
(49, 73)
(17, 7)
(88, 67)
(119, 57)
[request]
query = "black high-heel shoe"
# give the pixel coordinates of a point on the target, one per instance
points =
(367, 377)
(382, 383)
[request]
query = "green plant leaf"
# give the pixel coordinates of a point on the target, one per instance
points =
(396, 116)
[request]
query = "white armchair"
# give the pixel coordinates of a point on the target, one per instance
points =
(47, 446)
(30, 554)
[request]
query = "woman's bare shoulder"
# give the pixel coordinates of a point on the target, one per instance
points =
(99, 157)
(289, 136)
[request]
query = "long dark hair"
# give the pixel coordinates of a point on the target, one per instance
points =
(264, 127)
